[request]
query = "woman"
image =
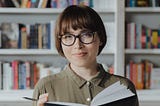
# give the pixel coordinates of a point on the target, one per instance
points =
(80, 37)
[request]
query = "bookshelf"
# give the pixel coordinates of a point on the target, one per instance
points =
(149, 97)
(26, 16)
(112, 13)
(147, 16)
(8, 98)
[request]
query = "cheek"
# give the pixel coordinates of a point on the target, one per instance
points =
(93, 49)
(66, 50)
(96, 44)
(96, 49)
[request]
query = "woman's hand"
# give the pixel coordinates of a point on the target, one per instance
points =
(42, 99)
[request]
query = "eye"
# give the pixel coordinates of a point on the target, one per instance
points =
(67, 36)
(87, 35)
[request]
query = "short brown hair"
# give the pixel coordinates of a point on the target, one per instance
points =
(79, 17)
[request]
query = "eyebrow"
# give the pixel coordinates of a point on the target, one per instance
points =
(82, 31)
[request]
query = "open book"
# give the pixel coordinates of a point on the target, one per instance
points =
(114, 92)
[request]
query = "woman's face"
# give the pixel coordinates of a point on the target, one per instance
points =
(80, 54)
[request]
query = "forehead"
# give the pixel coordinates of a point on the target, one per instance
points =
(78, 31)
(71, 30)
(76, 21)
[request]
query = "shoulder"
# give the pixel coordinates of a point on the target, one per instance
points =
(123, 80)
(47, 84)
(129, 84)
(112, 78)
(51, 79)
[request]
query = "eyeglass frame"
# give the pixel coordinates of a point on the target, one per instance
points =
(79, 37)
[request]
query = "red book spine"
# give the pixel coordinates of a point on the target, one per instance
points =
(15, 74)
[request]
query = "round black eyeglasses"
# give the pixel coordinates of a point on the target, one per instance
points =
(85, 38)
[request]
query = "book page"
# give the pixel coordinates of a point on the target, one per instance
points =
(63, 104)
(112, 93)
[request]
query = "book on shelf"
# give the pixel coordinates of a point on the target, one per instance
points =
(6, 75)
(155, 37)
(112, 95)
(16, 3)
(23, 39)
(9, 35)
(140, 73)
(140, 36)
(24, 3)
(18, 74)
(142, 3)
(155, 3)
(6, 3)
(34, 3)
(42, 3)
(148, 66)
(155, 79)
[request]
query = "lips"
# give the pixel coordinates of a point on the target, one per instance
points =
(80, 54)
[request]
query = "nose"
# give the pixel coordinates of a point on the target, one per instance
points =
(78, 44)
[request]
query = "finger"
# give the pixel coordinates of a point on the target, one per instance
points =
(43, 95)
(42, 99)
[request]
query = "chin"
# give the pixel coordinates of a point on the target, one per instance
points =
(79, 64)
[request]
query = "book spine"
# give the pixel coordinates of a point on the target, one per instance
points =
(15, 74)
(154, 38)
(140, 76)
(28, 76)
(24, 3)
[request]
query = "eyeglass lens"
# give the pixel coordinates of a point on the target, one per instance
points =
(69, 39)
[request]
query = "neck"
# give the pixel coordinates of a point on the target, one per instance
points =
(86, 73)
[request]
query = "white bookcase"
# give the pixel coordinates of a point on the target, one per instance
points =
(148, 16)
(114, 14)
(50, 56)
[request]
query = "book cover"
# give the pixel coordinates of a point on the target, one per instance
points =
(109, 96)
(154, 39)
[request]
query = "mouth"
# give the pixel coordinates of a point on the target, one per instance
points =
(81, 54)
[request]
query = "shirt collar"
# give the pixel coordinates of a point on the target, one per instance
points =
(98, 80)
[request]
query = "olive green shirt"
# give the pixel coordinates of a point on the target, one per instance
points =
(67, 86)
